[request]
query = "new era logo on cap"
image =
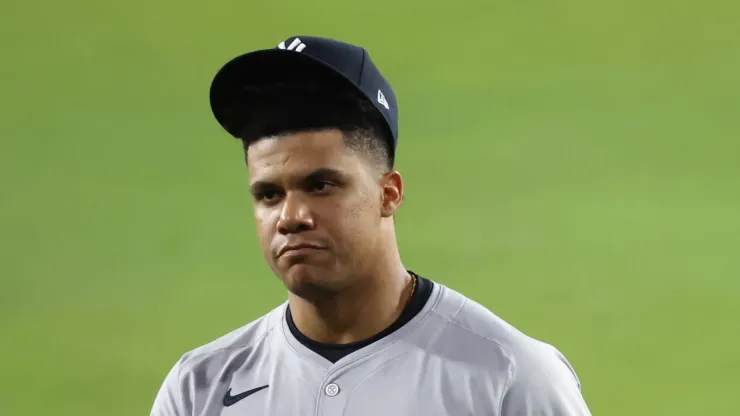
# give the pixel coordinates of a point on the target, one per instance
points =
(296, 45)
(382, 101)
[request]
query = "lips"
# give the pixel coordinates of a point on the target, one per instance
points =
(295, 248)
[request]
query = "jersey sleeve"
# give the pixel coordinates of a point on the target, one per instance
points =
(168, 401)
(544, 384)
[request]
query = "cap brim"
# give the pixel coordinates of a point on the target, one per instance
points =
(230, 96)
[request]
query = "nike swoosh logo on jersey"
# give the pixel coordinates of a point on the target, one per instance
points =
(230, 400)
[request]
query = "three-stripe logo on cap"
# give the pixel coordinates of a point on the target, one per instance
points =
(297, 45)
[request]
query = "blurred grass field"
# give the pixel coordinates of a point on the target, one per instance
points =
(573, 165)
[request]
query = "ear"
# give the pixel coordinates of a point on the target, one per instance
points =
(391, 185)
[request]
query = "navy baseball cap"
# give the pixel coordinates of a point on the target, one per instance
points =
(300, 58)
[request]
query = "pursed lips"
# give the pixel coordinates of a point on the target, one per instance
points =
(298, 249)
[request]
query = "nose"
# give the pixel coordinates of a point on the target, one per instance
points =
(295, 216)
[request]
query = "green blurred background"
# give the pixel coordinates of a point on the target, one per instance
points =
(572, 165)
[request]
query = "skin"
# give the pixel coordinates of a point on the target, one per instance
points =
(310, 190)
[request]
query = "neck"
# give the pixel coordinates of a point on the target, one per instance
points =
(357, 313)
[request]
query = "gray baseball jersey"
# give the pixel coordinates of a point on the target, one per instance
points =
(454, 358)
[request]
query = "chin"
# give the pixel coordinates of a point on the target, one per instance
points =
(311, 282)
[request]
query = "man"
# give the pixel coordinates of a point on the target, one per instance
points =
(359, 335)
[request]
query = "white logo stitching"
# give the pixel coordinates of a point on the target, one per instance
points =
(382, 100)
(296, 45)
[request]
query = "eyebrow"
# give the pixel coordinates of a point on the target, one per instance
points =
(314, 175)
(323, 173)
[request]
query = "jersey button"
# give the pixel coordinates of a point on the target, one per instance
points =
(331, 390)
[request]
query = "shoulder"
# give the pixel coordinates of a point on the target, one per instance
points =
(535, 374)
(479, 325)
(197, 368)
(246, 337)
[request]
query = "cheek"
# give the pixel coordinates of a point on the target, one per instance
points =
(366, 208)
(355, 219)
(264, 226)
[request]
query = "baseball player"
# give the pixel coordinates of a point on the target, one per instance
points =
(360, 334)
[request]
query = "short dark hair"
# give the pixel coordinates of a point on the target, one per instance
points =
(291, 107)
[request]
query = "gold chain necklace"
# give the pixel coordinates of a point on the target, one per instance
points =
(413, 288)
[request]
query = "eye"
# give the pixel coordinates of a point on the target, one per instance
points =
(267, 195)
(320, 186)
